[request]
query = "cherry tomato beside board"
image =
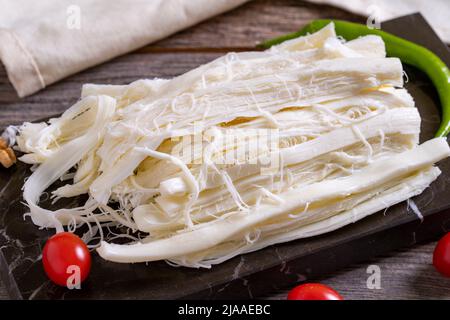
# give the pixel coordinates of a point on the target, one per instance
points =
(313, 291)
(441, 256)
(63, 256)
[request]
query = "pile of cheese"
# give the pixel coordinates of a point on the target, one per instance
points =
(346, 146)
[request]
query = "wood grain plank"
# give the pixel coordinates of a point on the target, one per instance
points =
(405, 274)
(251, 23)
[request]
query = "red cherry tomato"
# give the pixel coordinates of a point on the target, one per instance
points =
(441, 255)
(62, 254)
(313, 291)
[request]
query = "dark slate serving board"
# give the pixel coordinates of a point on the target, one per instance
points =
(245, 276)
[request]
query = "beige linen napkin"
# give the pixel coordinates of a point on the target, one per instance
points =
(43, 41)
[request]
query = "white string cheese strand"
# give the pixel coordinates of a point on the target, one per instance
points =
(190, 179)
(364, 141)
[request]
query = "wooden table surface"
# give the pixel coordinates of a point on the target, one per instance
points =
(404, 275)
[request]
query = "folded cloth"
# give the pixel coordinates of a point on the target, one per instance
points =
(44, 41)
(437, 12)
